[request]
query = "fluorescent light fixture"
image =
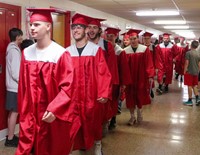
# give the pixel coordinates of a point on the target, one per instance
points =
(177, 27)
(169, 22)
(157, 13)
(185, 33)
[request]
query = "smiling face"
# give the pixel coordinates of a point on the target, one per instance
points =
(147, 40)
(134, 41)
(78, 31)
(39, 29)
(93, 31)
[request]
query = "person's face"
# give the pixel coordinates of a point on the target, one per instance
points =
(111, 37)
(93, 31)
(147, 40)
(182, 40)
(19, 39)
(126, 42)
(78, 32)
(166, 39)
(134, 41)
(39, 29)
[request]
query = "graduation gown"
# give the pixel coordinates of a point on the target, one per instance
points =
(111, 60)
(92, 80)
(165, 57)
(180, 57)
(141, 69)
(45, 85)
(124, 78)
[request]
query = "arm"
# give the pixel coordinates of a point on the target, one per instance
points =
(186, 66)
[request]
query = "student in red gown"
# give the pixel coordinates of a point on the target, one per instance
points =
(142, 72)
(181, 49)
(94, 35)
(123, 68)
(147, 42)
(92, 84)
(45, 108)
(165, 54)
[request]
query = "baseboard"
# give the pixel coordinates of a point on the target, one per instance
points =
(4, 132)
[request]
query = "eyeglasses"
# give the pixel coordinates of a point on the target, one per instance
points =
(78, 27)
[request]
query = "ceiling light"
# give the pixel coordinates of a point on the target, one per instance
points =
(169, 22)
(185, 33)
(176, 27)
(157, 13)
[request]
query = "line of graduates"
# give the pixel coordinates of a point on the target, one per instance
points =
(66, 96)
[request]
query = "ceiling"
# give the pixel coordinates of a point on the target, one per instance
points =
(189, 11)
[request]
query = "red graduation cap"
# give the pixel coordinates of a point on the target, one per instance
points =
(96, 21)
(111, 30)
(133, 32)
(147, 34)
(80, 19)
(125, 35)
(41, 14)
(166, 34)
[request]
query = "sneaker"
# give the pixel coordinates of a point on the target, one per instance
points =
(98, 149)
(159, 91)
(139, 116)
(152, 94)
(132, 121)
(11, 143)
(166, 89)
(188, 103)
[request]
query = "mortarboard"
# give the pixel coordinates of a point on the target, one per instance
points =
(80, 19)
(133, 32)
(147, 34)
(96, 21)
(166, 34)
(111, 30)
(125, 35)
(41, 14)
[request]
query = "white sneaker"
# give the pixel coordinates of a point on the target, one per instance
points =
(98, 149)
(139, 115)
(132, 121)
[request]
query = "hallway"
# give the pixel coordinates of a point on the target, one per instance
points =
(169, 128)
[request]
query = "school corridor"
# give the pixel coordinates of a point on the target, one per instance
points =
(168, 128)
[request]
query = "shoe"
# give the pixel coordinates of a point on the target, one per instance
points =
(132, 121)
(11, 143)
(188, 103)
(152, 94)
(181, 80)
(98, 149)
(139, 115)
(159, 91)
(166, 89)
(112, 124)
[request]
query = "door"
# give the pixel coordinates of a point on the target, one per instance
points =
(10, 16)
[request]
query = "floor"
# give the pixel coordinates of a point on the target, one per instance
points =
(169, 128)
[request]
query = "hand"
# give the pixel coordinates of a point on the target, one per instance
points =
(48, 117)
(102, 100)
(150, 80)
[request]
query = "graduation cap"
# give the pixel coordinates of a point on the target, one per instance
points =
(147, 34)
(166, 34)
(125, 35)
(80, 19)
(96, 21)
(41, 14)
(133, 32)
(111, 30)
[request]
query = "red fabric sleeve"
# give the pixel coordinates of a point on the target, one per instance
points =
(149, 64)
(61, 105)
(104, 77)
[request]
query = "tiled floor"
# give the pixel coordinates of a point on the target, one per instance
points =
(169, 128)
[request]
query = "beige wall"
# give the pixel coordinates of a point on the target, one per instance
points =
(71, 6)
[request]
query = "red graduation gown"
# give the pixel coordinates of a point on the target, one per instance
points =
(124, 78)
(45, 84)
(165, 57)
(111, 60)
(141, 69)
(180, 57)
(92, 80)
